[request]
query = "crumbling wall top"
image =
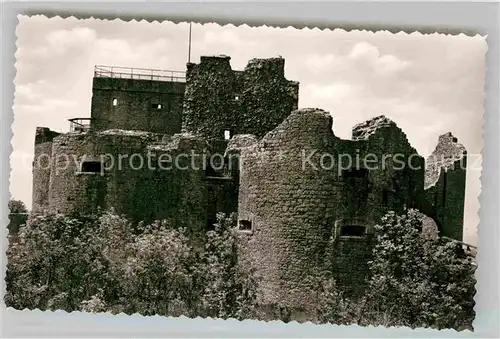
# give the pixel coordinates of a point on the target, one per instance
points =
(447, 153)
(274, 65)
(44, 134)
(240, 141)
(302, 126)
(181, 141)
(364, 130)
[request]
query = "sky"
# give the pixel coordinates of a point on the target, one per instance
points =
(428, 84)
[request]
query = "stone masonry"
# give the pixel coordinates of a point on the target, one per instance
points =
(306, 200)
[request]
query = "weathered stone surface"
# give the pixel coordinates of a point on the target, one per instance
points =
(130, 183)
(297, 211)
(41, 168)
(240, 141)
(444, 157)
(445, 186)
(429, 227)
(306, 200)
(136, 105)
(363, 130)
(252, 101)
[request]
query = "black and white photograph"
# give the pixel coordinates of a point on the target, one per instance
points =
(167, 169)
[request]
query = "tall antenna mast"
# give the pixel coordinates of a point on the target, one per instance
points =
(189, 46)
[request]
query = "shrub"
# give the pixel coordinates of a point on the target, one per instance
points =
(417, 282)
(103, 263)
(17, 206)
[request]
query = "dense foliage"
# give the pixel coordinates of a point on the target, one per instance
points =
(417, 281)
(17, 206)
(104, 263)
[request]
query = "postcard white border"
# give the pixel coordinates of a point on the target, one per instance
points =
(444, 17)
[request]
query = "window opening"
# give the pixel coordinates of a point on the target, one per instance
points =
(352, 231)
(245, 225)
(91, 167)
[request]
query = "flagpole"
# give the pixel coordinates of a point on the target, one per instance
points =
(189, 46)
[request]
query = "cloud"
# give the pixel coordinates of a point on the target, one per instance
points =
(390, 64)
(62, 39)
(364, 51)
(335, 91)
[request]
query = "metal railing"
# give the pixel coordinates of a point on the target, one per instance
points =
(101, 71)
(79, 124)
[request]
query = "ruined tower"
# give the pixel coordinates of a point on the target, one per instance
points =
(137, 99)
(42, 168)
(220, 102)
(445, 186)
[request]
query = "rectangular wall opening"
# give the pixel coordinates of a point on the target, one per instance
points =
(115, 101)
(227, 134)
(385, 197)
(352, 231)
(91, 167)
(245, 225)
(355, 173)
(156, 106)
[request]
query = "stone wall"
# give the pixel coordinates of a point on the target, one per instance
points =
(445, 186)
(291, 209)
(307, 201)
(137, 105)
(396, 176)
(41, 168)
(177, 193)
(295, 207)
(252, 101)
(349, 262)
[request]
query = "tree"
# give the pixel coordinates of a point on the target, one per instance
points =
(161, 273)
(60, 261)
(104, 263)
(230, 285)
(17, 206)
(417, 282)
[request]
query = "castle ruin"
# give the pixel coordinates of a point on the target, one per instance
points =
(293, 211)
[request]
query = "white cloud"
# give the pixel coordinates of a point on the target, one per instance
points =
(389, 64)
(364, 51)
(59, 40)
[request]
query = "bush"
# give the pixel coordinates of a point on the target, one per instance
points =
(17, 206)
(103, 263)
(417, 282)
(230, 285)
